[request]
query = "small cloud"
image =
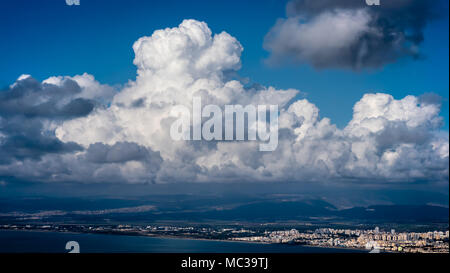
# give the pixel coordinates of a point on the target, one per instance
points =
(349, 34)
(431, 98)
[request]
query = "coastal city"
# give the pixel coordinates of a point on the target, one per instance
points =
(373, 240)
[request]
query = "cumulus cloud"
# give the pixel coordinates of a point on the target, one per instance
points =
(30, 98)
(349, 34)
(89, 87)
(121, 152)
(28, 111)
(128, 140)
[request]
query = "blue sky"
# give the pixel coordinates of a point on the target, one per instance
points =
(68, 136)
(48, 38)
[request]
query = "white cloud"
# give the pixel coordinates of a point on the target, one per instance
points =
(386, 140)
(90, 88)
(173, 66)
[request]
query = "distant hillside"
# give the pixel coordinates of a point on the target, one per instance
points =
(188, 209)
(306, 210)
(398, 213)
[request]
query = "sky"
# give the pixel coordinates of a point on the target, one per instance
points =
(47, 38)
(363, 91)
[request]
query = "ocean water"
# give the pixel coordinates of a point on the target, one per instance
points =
(55, 242)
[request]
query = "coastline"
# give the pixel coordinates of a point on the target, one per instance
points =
(179, 237)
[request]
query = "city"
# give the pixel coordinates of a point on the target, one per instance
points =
(411, 242)
(369, 239)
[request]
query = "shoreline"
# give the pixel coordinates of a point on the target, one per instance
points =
(179, 237)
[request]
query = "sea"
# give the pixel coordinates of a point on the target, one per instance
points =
(19, 241)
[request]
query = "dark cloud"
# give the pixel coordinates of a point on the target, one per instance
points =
(398, 133)
(30, 98)
(27, 108)
(77, 108)
(350, 34)
(121, 152)
(24, 146)
(138, 103)
(30, 151)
